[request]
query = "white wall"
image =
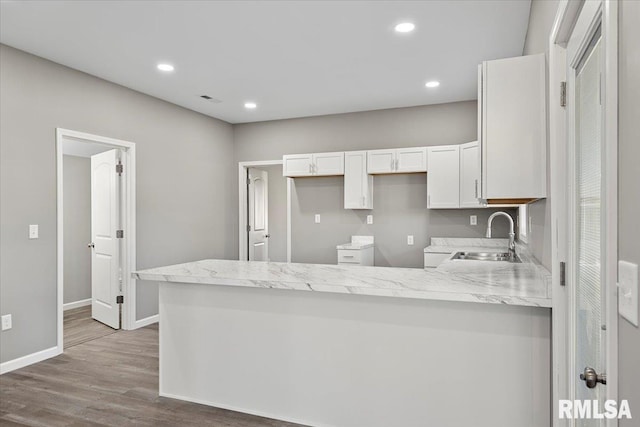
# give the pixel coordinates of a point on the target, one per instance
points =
(629, 191)
(186, 185)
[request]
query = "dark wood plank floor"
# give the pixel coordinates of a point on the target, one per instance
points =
(79, 327)
(109, 381)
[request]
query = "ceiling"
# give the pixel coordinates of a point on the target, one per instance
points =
(293, 59)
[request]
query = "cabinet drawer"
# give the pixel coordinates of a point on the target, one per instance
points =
(346, 256)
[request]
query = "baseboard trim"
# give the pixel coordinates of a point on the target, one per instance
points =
(242, 410)
(76, 304)
(147, 321)
(29, 359)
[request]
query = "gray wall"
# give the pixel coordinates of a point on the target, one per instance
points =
(629, 191)
(397, 212)
(541, 20)
(77, 228)
(186, 185)
(277, 213)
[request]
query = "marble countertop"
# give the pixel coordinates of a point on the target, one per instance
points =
(355, 246)
(524, 284)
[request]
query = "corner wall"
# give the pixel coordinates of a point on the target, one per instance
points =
(186, 206)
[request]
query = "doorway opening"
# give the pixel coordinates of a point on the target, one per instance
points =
(95, 235)
(264, 212)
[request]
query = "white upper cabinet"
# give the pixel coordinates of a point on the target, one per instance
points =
(297, 165)
(411, 160)
(381, 161)
(401, 160)
(328, 164)
(358, 185)
(321, 164)
(512, 129)
(470, 175)
(443, 177)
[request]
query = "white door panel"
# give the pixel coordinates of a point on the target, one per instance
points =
(443, 177)
(297, 165)
(258, 193)
(328, 164)
(105, 259)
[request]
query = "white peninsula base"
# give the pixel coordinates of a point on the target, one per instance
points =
(326, 359)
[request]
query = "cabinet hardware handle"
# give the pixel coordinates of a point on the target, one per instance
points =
(347, 256)
(310, 168)
(476, 188)
(392, 163)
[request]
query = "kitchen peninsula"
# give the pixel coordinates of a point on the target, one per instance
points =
(331, 345)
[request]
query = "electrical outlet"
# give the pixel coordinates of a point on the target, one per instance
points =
(369, 219)
(33, 231)
(473, 220)
(409, 240)
(628, 291)
(317, 218)
(6, 322)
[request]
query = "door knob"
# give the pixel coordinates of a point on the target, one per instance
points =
(592, 378)
(91, 245)
(266, 236)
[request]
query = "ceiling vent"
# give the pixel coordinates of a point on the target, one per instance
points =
(210, 99)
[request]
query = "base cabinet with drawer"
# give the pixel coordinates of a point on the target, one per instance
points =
(355, 256)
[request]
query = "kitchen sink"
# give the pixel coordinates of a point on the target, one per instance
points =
(485, 256)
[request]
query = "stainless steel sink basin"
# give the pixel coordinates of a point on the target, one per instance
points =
(485, 256)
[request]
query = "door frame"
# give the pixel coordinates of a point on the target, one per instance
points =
(128, 217)
(563, 296)
(243, 167)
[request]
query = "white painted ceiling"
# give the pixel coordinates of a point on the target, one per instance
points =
(293, 58)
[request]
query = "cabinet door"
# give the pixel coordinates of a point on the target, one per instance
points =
(443, 179)
(514, 128)
(297, 165)
(381, 161)
(469, 175)
(358, 185)
(411, 160)
(328, 164)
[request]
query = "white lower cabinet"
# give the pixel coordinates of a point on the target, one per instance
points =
(358, 185)
(443, 177)
(355, 256)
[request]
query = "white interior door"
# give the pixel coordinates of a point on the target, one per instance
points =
(258, 194)
(105, 220)
(587, 213)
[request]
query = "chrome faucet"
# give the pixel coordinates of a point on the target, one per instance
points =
(512, 234)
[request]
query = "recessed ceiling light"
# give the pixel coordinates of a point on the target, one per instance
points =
(250, 105)
(165, 67)
(433, 83)
(405, 27)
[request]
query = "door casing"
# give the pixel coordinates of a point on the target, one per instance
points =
(563, 371)
(128, 198)
(243, 253)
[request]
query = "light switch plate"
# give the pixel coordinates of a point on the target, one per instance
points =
(628, 291)
(473, 220)
(317, 218)
(369, 219)
(33, 231)
(410, 240)
(6, 322)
